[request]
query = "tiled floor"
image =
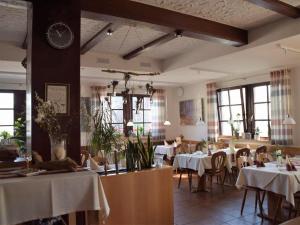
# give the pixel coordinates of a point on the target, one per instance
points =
(204, 208)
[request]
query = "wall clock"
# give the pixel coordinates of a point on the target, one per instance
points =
(60, 35)
(180, 91)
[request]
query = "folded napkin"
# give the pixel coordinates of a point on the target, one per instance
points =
(197, 153)
(94, 165)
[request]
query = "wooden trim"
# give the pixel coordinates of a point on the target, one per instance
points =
(190, 25)
(152, 44)
(279, 7)
(98, 37)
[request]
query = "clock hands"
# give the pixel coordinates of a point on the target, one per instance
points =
(58, 33)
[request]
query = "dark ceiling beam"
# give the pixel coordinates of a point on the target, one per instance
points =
(190, 25)
(155, 43)
(24, 44)
(279, 7)
(98, 37)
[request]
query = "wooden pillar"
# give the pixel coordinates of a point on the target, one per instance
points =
(47, 64)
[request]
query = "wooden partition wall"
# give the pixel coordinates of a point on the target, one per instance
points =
(143, 197)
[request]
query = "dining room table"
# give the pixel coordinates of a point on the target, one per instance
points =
(168, 150)
(275, 179)
(31, 198)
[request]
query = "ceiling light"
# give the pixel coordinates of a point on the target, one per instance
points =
(200, 122)
(109, 32)
(129, 124)
(178, 33)
(289, 120)
(167, 123)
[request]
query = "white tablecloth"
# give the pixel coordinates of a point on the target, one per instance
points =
(197, 161)
(271, 178)
(30, 198)
(165, 150)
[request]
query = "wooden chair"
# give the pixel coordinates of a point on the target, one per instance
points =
(237, 166)
(258, 200)
(218, 161)
(84, 157)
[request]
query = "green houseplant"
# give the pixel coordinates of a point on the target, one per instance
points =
(146, 152)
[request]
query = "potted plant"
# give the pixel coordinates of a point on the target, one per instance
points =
(257, 134)
(104, 137)
(4, 135)
(47, 119)
(236, 126)
(146, 152)
(20, 133)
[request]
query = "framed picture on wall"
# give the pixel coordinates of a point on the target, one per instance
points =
(60, 95)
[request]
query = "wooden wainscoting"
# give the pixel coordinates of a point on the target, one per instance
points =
(143, 197)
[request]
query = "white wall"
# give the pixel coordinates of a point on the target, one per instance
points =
(195, 92)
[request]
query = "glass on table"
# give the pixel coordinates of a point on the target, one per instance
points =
(26, 155)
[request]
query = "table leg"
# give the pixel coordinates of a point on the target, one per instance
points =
(201, 184)
(274, 207)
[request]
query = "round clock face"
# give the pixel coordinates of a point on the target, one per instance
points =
(60, 35)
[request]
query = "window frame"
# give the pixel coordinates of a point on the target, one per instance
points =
(128, 112)
(13, 109)
(268, 102)
(143, 111)
(219, 106)
(248, 105)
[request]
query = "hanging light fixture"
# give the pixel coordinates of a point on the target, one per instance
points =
(167, 122)
(289, 120)
(130, 122)
(200, 122)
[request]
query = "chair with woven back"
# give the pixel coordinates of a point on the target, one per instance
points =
(239, 153)
(218, 161)
(240, 164)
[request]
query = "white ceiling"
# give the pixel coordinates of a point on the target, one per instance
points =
(237, 13)
(256, 59)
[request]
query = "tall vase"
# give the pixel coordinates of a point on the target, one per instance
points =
(58, 149)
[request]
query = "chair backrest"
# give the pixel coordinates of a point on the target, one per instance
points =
(242, 152)
(218, 160)
(84, 157)
(261, 149)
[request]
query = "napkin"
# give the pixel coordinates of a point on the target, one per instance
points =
(94, 165)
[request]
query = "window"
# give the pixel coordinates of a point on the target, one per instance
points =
(122, 113)
(251, 102)
(262, 109)
(117, 113)
(230, 107)
(7, 112)
(142, 118)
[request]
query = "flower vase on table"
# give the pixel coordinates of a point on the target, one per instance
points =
(58, 150)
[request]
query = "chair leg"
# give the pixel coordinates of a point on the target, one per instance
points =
(179, 182)
(190, 176)
(211, 183)
(223, 180)
(263, 197)
(278, 207)
(255, 202)
(260, 205)
(243, 203)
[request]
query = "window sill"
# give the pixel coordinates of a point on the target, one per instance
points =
(241, 140)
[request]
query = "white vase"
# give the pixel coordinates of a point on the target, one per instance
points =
(58, 150)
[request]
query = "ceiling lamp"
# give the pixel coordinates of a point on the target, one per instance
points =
(289, 120)
(200, 122)
(129, 123)
(167, 122)
(109, 32)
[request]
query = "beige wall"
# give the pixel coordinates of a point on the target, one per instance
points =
(195, 92)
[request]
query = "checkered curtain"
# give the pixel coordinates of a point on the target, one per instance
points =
(158, 115)
(212, 112)
(98, 95)
(280, 96)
